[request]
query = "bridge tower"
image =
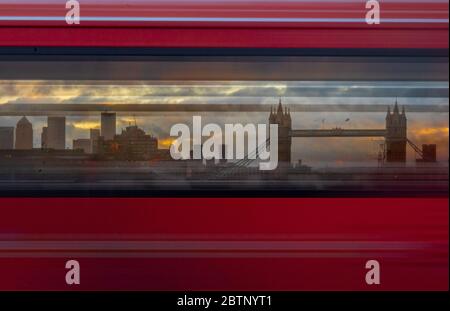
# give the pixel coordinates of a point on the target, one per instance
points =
(396, 140)
(282, 117)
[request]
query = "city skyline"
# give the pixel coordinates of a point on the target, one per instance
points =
(351, 106)
(418, 132)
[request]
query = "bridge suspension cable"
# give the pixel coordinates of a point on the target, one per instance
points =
(416, 149)
(247, 161)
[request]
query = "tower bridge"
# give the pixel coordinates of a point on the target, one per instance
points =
(395, 133)
(338, 132)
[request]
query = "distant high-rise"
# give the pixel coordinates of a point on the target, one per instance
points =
(94, 135)
(44, 139)
(108, 125)
(24, 134)
(56, 133)
(131, 144)
(6, 137)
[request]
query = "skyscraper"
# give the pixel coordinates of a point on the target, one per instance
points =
(56, 133)
(131, 144)
(6, 137)
(94, 134)
(44, 139)
(24, 134)
(108, 125)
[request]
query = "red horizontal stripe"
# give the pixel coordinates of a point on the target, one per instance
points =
(236, 34)
(280, 13)
(221, 38)
(421, 221)
(254, 274)
(361, 219)
(253, 9)
(152, 8)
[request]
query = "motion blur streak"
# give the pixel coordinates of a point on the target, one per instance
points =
(247, 244)
(336, 24)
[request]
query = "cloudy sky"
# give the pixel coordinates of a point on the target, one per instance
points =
(428, 126)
